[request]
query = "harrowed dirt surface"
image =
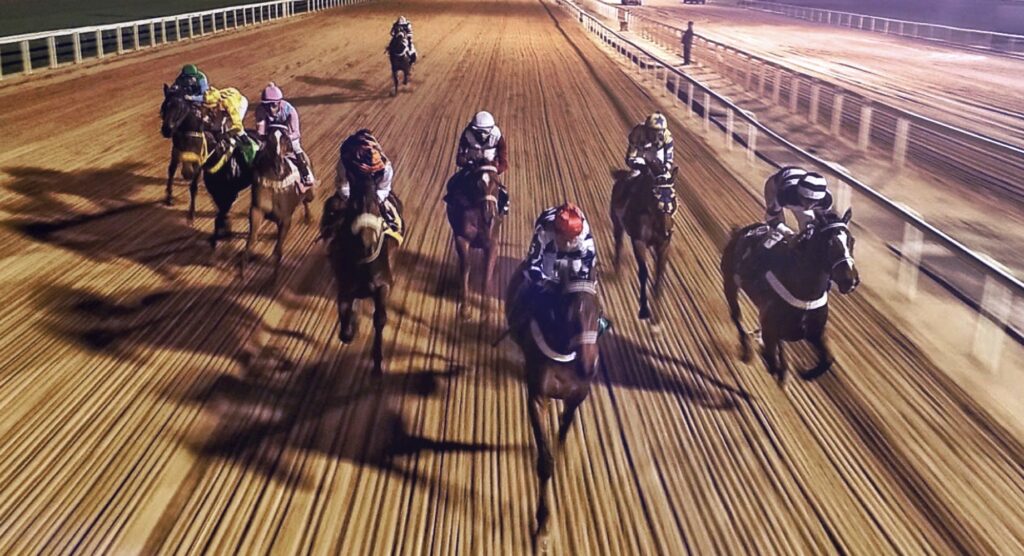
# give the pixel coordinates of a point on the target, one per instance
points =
(154, 402)
(976, 91)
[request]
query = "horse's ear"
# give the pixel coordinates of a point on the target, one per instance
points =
(166, 88)
(848, 215)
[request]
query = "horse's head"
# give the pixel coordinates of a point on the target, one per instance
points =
(665, 206)
(578, 312)
(277, 149)
(368, 225)
(485, 187)
(399, 44)
(174, 110)
(831, 234)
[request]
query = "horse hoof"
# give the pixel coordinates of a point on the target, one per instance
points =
(645, 313)
(464, 311)
(745, 354)
(169, 201)
(540, 543)
(346, 336)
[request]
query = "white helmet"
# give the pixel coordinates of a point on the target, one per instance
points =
(402, 20)
(483, 122)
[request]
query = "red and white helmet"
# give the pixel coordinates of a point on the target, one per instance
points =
(568, 221)
(272, 94)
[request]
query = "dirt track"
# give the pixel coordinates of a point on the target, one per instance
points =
(155, 403)
(972, 90)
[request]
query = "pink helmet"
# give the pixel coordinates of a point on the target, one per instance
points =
(272, 94)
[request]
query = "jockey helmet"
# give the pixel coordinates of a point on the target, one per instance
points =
(482, 124)
(568, 221)
(657, 121)
(402, 20)
(190, 70)
(812, 187)
(368, 158)
(272, 94)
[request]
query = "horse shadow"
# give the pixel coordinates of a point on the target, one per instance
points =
(268, 422)
(346, 91)
(132, 326)
(45, 215)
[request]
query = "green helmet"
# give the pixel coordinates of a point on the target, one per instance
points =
(190, 70)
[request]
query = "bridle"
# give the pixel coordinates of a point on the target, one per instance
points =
(848, 258)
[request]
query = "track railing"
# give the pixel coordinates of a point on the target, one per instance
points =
(868, 123)
(972, 38)
(969, 277)
(33, 52)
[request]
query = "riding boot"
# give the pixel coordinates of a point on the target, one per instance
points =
(504, 201)
(304, 170)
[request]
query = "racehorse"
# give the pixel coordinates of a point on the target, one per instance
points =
(360, 256)
(476, 224)
(183, 125)
(789, 284)
(401, 59)
(644, 211)
(276, 192)
(225, 179)
(559, 343)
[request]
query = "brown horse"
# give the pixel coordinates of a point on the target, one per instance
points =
(360, 255)
(789, 284)
(276, 193)
(645, 212)
(476, 224)
(400, 56)
(559, 343)
(183, 125)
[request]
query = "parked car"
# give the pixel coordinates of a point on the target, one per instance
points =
(695, 1)
(632, 3)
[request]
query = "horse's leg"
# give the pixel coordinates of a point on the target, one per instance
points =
(346, 318)
(617, 232)
(171, 169)
(284, 224)
(307, 198)
(462, 250)
(640, 252)
(773, 351)
(491, 254)
(255, 222)
(193, 192)
(380, 319)
(545, 467)
(825, 359)
(567, 415)
(730, 285)
(394, 78)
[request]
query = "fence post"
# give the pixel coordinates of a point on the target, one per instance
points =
(761, 80)
(910, 260)
(76, 45)
(815, 100)
(899, 151)
(51, 50)
(707, 112)
(99, 43)
(794, 95)
(996, 307)
(864, 137)
(135, 36)
(837, 114)
(120, 40)
(776, 86)
(751, 143)
(689, 99)
(152, 34)
(190, 35)
(730, 125)
(202, 26)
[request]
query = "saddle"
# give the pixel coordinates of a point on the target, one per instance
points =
(458, 185)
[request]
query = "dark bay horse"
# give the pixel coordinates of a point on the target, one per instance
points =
(789, 285)
(224, 180)
(401, 59)
(559, 343)
(645, 212)
(360, 254)
(183, 125)
(276, 193)
(476, 224)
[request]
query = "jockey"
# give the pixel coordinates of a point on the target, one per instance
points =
(403, 25)
(233, 104)
(802, 192)
(561, 240)
(361, 155)
(650, 146)
(193, 82)
(274, 110)
(482, 144)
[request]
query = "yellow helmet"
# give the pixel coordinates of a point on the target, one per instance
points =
(657, 121)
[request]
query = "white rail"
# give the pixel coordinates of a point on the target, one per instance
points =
(972, 38)
(25, 54)
(844, 113)
(984, 285)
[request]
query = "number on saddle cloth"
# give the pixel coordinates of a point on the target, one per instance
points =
(666, 196)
